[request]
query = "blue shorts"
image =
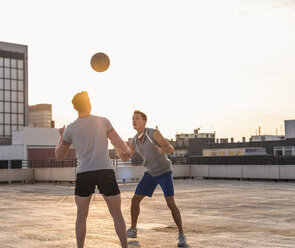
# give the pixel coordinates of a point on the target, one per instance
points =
(148, 184)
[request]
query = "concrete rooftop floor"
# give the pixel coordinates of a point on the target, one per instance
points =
(215, 214)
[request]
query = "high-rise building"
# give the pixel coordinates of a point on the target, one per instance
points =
(40, 115)
(13, 90)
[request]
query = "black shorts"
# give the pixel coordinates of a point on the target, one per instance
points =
(105, 181)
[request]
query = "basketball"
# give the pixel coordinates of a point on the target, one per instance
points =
(100, 62)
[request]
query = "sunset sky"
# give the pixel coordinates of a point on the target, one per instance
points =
(226, 66)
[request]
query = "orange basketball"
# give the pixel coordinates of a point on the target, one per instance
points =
(100, 62)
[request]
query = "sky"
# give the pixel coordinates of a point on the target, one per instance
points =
(226, 66)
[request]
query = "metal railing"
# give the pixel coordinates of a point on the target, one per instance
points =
(52, 163)
(243, 160)
(197, 160)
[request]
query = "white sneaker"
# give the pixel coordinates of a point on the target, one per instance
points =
(182, 241)
(132, 233)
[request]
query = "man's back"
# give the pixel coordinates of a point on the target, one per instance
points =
(89, 135)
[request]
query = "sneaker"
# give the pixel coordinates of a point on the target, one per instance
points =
(132, 233)
(182, 241)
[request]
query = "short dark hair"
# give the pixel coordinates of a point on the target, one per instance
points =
(81, 101)
(143, 115)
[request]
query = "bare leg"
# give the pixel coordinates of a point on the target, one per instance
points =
(175, 212)
(135, 209)
(82, 213)
(114, 205)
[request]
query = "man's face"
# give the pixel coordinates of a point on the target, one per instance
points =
(137, 122)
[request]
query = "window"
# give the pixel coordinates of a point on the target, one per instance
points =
(14, 107)
(13, 84)
(7, 119)
(231, 153)
(13, 63)
(7, 95)
(20, 74)
(288, 153)
(6, 72)
(14, 96)
(20, 96)
(14, 118)
(278, 153)
(7, 131)
(20, 107)
(20, 64)
(251, 150)
(240, 153)
(7, 84)
(6, 62)
(7, 107)
(20, 85)
(13, 74)
(20, 119)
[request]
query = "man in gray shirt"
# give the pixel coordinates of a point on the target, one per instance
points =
(89, 134)
(153, 148)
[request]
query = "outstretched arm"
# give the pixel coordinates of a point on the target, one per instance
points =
(164, 145)
(124, 157)
(62, 147)
(118, 143)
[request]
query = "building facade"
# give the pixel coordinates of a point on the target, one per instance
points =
(32, 143)
(266, 137)
(40, 115)
(13, 90)
(181, 142)
(245, 151)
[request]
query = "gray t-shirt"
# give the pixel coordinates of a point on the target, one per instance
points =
(89, 136)
(156, 163)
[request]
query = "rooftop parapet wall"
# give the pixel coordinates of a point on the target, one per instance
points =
(36, 136)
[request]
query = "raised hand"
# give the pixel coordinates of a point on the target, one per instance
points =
(158, 149)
